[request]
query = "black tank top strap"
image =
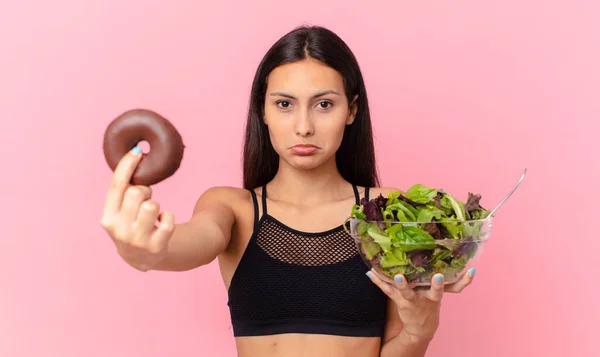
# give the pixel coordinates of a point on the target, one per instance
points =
(255, 204)
(264, 200)
(367, 193)
(356, 194)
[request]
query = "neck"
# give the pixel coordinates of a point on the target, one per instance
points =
(324, 183)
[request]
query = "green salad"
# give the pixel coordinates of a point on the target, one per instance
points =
(419, 233)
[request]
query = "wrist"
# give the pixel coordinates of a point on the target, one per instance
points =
(410, 339)
(405, 345)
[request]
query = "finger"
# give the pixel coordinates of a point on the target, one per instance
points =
(436, 291)
(134, 197)
(460, 285)
(405, 290)
(385, 287)
(165, 229)
(120, 180)
(147, 217)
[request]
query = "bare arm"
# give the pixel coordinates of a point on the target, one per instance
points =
(200, 240)
(397, 343)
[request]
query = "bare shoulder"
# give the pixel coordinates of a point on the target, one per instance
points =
(225, 196)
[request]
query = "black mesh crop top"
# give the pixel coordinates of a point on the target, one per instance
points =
(289, 281)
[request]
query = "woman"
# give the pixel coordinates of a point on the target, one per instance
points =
(296, 284)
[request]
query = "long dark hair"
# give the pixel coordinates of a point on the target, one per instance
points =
(356, 156)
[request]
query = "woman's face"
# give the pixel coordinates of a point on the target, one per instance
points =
(306, 111)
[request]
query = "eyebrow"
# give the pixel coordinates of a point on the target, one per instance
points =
(320, 94)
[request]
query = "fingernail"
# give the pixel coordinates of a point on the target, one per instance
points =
(369, 274)
(472, 272)
(136, 150)
(438, 278)
(399, 279)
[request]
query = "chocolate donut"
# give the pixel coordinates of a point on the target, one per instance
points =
(166, 145)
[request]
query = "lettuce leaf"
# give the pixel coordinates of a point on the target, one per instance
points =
(410, 238)
(420, 193)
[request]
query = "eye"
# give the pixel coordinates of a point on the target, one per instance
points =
(325, 104)
(283, 104)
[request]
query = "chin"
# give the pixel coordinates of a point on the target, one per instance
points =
(309, 162)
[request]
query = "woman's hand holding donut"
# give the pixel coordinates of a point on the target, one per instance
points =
(130, 217)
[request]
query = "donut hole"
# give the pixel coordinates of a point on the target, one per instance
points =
(144, 145)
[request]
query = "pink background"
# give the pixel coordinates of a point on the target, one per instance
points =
(464, 96)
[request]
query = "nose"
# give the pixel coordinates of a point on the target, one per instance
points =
(304, 124)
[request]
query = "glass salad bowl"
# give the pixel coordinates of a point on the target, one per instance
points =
(420, 233)
(409, 248)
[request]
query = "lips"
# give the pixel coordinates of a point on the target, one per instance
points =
(304, 149)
